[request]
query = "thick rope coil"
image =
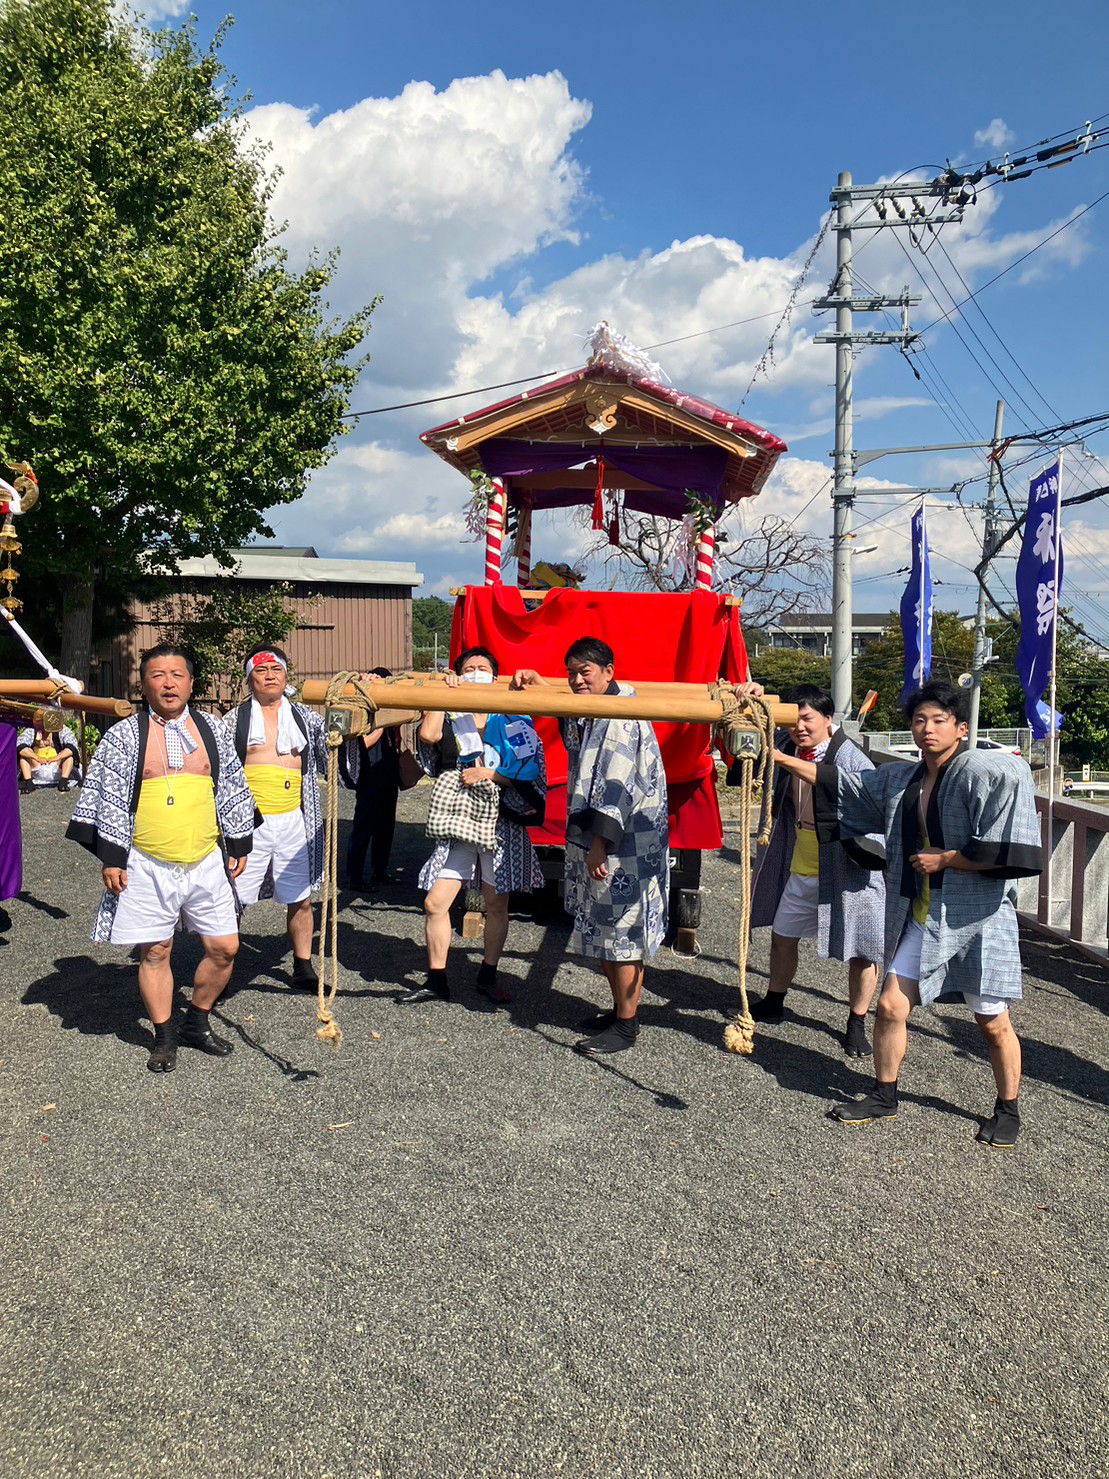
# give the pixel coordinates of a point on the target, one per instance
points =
(739, 1036)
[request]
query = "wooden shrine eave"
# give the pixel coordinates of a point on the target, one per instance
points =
(455, 442)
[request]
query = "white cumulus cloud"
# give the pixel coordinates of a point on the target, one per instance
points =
(996, 135)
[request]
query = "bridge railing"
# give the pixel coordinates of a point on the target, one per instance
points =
(1078, 909)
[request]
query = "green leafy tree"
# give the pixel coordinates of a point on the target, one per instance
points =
(221, 624)
(166, 372)
(431, 618)
(779, 669)
(1082, 692)
(881, 666)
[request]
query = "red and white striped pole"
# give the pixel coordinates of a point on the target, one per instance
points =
(523, 544)
(706, 554)
(494, 535)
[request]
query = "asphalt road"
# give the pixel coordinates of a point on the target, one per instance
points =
(454, 1248)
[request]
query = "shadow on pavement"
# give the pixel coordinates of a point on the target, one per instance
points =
(94, 999)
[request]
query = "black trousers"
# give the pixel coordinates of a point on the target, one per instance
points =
(375, 819)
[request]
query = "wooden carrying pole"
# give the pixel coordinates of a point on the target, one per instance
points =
(543, 700)
(85, 703)
(654, 687)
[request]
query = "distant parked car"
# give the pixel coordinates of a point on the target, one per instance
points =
(910, 752)
(992, 744)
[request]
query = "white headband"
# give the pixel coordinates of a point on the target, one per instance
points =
(258, 658)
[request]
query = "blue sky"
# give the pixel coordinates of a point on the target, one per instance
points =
(506, 175)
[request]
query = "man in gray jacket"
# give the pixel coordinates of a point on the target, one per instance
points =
(808, 890)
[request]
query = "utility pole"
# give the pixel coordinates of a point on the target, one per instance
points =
(989, 536)
(893, 206)
(843, 476)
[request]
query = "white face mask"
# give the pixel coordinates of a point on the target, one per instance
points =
(477, 675)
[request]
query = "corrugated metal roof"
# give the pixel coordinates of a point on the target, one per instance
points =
(306, 571)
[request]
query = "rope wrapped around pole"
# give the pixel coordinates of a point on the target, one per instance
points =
(739, 1036)
(328, 1030)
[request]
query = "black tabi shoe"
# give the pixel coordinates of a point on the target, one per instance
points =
(879, 1104)
(489, 987)
(618, 1038)
(855, 1044)
(163, 1055)
(597, 1021)
(304, 974)
(1001, 1130)
(205, 1041)
(421, 995)
(769, 1008)
(26, 787)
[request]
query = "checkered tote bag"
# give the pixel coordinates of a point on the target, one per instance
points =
(464, 813)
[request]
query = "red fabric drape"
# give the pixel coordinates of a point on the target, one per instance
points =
(693, 637)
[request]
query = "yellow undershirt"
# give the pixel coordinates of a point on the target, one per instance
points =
(184, 832)
(45, 752)
(924, 897)
(806, 854)
(276, 788)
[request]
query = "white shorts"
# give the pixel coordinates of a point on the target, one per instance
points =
(796, 915)
(158, 894)
(282, 840)
(905, 965)
(466, 863)
(46, 774)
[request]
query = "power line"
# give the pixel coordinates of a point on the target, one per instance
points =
(945, 317)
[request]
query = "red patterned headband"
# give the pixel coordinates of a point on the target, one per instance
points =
(260, 659)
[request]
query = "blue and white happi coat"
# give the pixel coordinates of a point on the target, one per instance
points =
(515, 866)
(616, 789)
(851, 899)
(65, 739)
(104, 818)
(983, 806)
(313, 760)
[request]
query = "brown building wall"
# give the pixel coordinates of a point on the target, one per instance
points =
(346, 626)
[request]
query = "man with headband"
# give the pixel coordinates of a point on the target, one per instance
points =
(167, 811)
(283, 747)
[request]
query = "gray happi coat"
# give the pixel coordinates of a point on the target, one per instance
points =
(313, 763)
(616, 789)
(983, 806)
(851, 909)
(104, 818)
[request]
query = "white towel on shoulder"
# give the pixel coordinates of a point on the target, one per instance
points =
(290, 741)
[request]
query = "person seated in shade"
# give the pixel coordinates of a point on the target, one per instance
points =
(506, 751)
(46, 759)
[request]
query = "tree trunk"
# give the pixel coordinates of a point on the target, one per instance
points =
(77, 629)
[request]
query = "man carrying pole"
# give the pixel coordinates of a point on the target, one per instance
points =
(805, 890)
(617, 843)
(959, 827)
(283, 747)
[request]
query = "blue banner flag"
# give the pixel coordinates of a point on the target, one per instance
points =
(1039, 587)
(916, 612)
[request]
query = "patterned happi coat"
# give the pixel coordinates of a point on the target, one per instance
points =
(65, 739)
(616, 789)
(983, 806)
(104, 818)
(313, 760)
(515, 866)
(852, 899)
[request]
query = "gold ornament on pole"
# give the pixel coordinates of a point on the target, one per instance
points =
(16, 497)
